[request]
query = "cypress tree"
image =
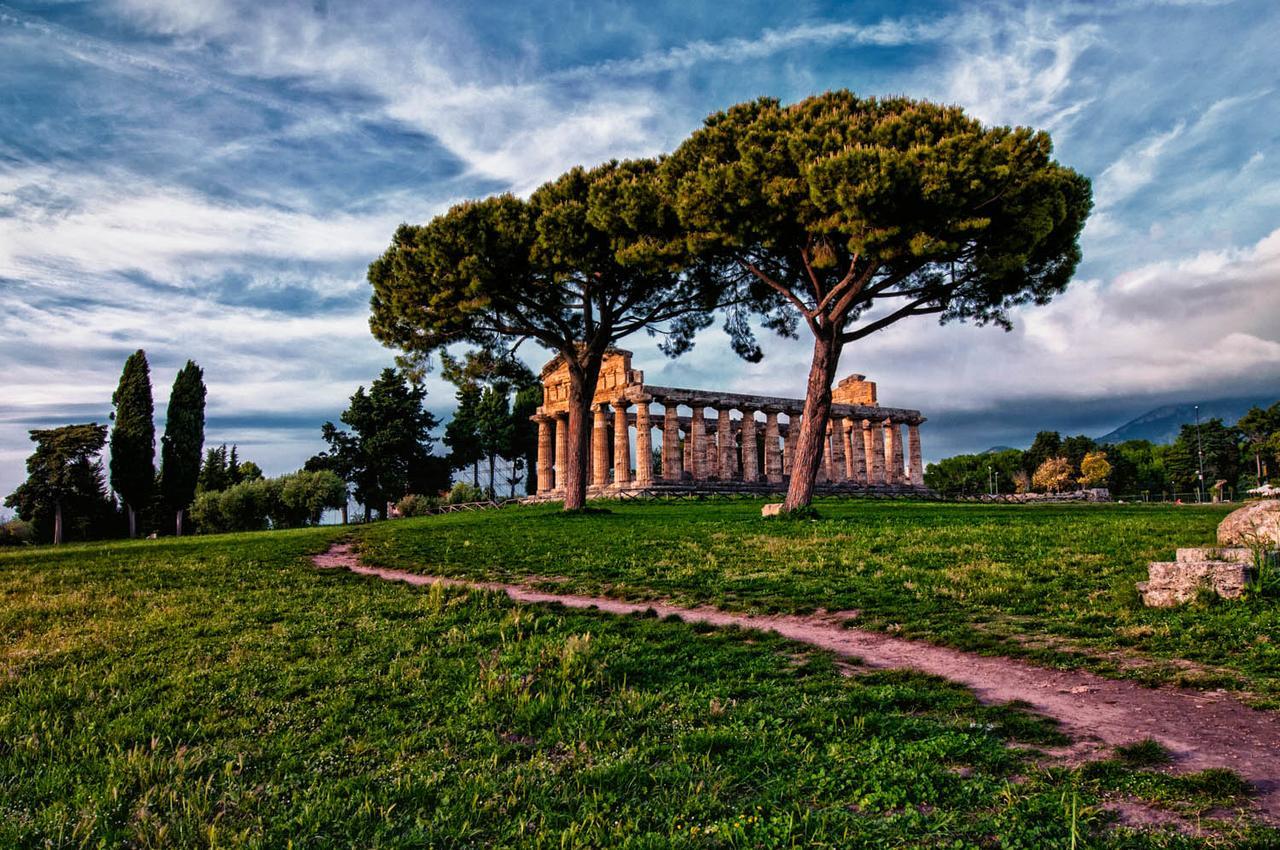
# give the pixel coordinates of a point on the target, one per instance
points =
(133, 439)
(183, 441)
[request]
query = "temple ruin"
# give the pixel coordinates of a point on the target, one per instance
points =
(864, 450)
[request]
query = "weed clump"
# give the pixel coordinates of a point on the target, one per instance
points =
(1145, 753)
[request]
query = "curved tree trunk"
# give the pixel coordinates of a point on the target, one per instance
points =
(813, 428)
(582, 389)
(57, 523)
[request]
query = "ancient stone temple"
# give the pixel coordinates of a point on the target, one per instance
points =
(709, 441)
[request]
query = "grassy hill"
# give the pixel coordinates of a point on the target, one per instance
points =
(1051, 582)
(222, 692)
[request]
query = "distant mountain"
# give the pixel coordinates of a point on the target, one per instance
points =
(1162, 424)
(995, 450)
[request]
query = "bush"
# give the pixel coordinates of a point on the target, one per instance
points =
(417, 505)
(15, 532)
(247, 506)
(288, 501)
(463, 492)
(304, 496)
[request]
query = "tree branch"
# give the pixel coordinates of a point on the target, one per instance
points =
(912, 309)
(787, 293)
(813, 276)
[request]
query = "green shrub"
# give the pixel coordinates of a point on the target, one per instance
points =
(418, 505)
(304, 496)
(463, 492)
(15, 532)
(289, 501)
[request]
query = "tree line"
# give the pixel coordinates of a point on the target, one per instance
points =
(837, 214)
(1243, 456)
(384, 446)
(382, 452)
(67, 486)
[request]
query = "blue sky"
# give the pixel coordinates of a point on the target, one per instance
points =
(210, 180)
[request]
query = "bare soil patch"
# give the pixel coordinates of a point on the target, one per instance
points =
(1200, 729)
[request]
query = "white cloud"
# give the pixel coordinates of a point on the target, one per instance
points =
(64, 225)
(1136, 168)
(769, 42)
(1010, 68)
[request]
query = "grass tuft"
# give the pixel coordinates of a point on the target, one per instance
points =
(1145, 753)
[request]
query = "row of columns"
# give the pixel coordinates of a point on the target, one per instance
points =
(858, 452)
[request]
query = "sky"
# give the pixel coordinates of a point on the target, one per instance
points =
(210, 181)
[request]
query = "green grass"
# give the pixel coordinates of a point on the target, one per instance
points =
(220, 692)
(1053, 583)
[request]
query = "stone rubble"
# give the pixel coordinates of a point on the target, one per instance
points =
(1250, 538)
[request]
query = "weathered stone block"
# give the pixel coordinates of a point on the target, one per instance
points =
(1236, 554)
(1176, 582)
(1257, 524)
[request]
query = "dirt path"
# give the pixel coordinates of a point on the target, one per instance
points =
(1201, 729)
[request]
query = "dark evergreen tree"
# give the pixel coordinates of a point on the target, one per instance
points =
(213, 472)
(1046, 445)
(1211, 447)
(1075, 448)
(524, 433)
(1260, 429)
(183, 442)
(387, 451)
(494, 428)
(133, 438)
(486, 426)
(462, 434)
(64, 479)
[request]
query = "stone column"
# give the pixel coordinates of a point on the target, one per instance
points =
(672, 468)
(855, 453)
(789, 444)
(600, 446)
(772, 448)
(895, 457)
(688, 453)
(621, 444)
(562, 449)
(544, 453)
(917, 461)
(698, 444)
(644, 445)
(839, 472)
(875, 453)
(724, 441)
(891, 439)
(750, 460)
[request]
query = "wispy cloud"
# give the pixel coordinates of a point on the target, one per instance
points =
(60, 226)
(767, 43)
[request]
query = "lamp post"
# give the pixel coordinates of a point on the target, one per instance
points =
(1199, 459)
(990, 489)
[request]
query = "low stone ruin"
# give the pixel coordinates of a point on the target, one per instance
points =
(1249, 538)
